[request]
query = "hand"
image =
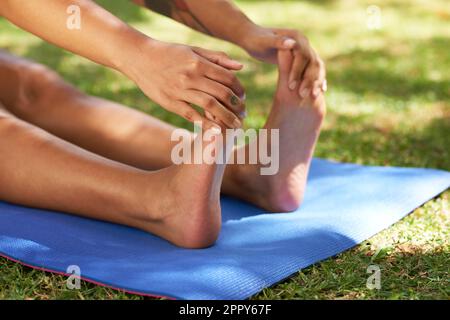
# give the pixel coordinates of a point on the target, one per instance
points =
(307, 74)
(177, 77)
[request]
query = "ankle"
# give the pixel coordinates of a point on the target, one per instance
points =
(200, 231)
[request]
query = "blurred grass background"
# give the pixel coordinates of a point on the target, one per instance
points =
(388, 104)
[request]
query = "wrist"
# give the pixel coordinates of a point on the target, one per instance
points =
(244, 34)
(130, 48)
(249, 39)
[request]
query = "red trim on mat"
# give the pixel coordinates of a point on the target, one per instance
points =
(84, 279)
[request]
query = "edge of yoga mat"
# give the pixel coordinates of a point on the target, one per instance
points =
(97, 283)
(153, 294)
(156, 294)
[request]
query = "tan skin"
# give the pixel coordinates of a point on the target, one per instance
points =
(173, 75)
(221, 19)
(96, 158)
(88, 156)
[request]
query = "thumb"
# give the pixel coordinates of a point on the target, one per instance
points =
(285, 60)
(282, 42)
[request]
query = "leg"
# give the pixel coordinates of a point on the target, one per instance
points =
(44, 171)
(96, 122)
(39, 96)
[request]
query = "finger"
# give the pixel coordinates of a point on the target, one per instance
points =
(305, 55)
(284, 66)
(324, 85)
(219, 58)
(186, 111)
(225, 77)
(282, 42)
(319, 82)
(214, 107)
(305, 87)
(297, 70)
(209, 116)
(313, 80)
(213, 118)
(223, 94)
(317, 88)
(301, 51)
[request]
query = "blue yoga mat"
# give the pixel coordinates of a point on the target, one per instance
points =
(344, 205)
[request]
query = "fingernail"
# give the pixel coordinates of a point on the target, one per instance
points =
(243, 114)
(236, 123)
(289, 43)
(304, 93)
(316, 92)
(293, 85)
(243, 96)
(324, 86)
(238, 64)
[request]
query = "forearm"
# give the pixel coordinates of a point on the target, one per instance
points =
(218, 18)
(98, 39)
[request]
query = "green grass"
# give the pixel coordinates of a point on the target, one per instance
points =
(388, 104)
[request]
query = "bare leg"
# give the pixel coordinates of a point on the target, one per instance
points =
(178, 203)
(39, 96)
(131, 137)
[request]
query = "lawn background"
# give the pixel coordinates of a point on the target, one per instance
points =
(388, 104)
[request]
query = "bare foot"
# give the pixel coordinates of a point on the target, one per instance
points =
(180, 203)
(299, 121)
(188, 198)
